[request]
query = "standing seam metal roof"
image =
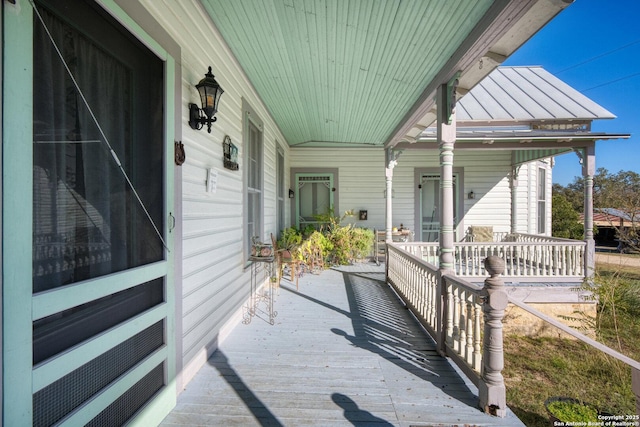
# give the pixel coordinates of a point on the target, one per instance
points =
(526, 94)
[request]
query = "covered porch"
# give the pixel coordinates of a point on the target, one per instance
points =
(343, 351)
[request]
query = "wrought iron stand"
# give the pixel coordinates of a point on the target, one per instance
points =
(262, 269)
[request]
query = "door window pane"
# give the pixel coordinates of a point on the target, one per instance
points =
(314, 198)
(87, 222)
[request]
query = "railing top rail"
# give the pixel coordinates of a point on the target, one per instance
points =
(566, 242)
(396, 246)
(546, 243)
(536, 236)
(458, 281)
(611, 352)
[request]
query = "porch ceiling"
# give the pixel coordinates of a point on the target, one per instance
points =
(365, 72)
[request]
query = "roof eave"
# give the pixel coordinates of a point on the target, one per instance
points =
(521, 142)
(504, 28)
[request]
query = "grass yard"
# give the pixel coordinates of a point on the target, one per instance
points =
(538, 368)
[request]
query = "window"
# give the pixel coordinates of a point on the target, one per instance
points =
(280, 190)
(254, 181)
(542, 201)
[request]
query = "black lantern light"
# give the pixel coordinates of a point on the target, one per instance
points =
(210, 92)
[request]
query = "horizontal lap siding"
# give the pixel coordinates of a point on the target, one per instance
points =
(361, 178)
(487, 175)
(362, 183)
(215, 282)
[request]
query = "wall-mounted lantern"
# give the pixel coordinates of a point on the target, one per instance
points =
(210, 92)
(471, 195)
(230, 152)
(292, 194)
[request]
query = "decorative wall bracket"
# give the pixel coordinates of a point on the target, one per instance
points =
(180, 155)
(230, 152)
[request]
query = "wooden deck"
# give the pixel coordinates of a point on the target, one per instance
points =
(343, 351)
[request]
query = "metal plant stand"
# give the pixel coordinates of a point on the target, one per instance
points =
(262, 269)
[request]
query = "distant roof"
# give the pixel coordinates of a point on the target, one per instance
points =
(610, 217)
(526, 94)
(614, 212)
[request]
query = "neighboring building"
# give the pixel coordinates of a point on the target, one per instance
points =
(122, 268)
(609, 222)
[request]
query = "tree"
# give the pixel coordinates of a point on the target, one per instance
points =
(620, 191)
(565, 220)
(573, 193)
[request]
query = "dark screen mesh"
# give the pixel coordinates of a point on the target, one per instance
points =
(64, 395)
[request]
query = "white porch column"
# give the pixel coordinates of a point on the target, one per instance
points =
(588, 171)
(446, 134)
(514, 199)
(390, 163)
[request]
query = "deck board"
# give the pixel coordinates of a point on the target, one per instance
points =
(343, 352)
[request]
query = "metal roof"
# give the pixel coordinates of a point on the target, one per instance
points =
(526, 94)
(366, 71)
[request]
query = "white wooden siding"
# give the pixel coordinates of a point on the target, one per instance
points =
(215, 282)
(362, 183)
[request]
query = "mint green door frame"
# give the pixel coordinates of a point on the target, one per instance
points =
(20, 306)
(300, 181)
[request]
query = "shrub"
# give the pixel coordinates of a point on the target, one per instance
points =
(336, 244)
(290, 238)
(362, 242)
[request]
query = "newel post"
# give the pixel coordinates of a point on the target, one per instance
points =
(491, 389)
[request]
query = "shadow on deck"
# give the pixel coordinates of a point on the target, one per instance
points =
(343, 351)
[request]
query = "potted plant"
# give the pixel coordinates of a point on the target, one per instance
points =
(567, 409)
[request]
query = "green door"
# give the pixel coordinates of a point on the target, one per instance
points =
(88, 300)
(314, 197)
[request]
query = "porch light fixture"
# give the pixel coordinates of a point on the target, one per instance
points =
(471, 195)
(291, 194)
(210, 92)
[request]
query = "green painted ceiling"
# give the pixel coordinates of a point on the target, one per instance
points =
(343, 71)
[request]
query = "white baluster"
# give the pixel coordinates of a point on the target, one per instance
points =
(456, 319)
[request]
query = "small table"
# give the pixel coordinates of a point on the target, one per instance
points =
(262, 270)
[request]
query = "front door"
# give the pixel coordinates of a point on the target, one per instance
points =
(314, 196)
(429, 206)
(87, 289)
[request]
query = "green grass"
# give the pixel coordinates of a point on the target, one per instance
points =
(539, 368)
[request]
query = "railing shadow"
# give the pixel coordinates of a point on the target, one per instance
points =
(384, 327)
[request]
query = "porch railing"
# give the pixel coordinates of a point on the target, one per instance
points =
(524, 259)
(449, 308)
(455, 312)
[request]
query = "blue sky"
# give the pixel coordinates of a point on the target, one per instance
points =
(594, 46)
